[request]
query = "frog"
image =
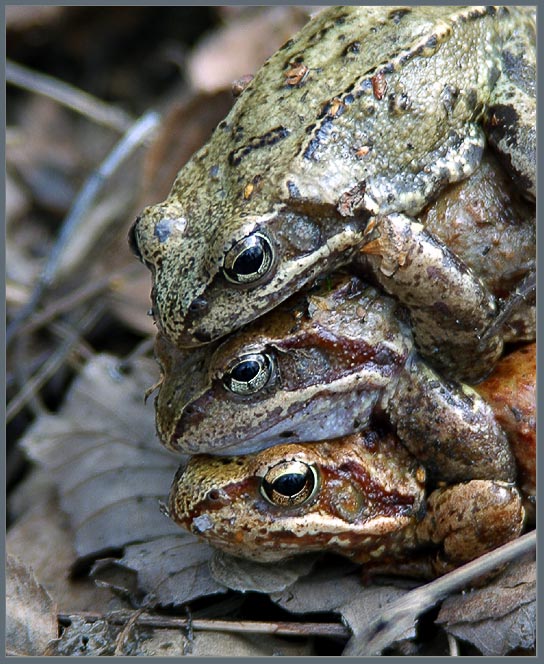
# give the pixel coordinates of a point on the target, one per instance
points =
(324, 364)
(362, 496)
(368, 112)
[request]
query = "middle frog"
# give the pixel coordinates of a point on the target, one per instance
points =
(322, 366)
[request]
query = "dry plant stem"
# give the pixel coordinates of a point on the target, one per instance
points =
(124, 634)
(74, 299)
(523, 291)
(82, 349)
(67, 95)
(52, 364)
(401, 615)
(140, 131)
(23, 371)
(453, 646)
(244, 626)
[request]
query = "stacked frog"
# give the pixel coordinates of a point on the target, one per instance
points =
(341, 401)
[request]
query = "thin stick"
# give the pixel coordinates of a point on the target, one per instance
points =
(67, 95)
(401, 615)
(73, 299)
(85, 199)
(203, 625)
(51, 365)
(453, 646)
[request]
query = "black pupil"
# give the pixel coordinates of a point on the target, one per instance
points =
(290, 484)
(245, 371)
(249, 261)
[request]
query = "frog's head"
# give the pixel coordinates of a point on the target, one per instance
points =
(312, 369)
(217, 268)
(350, 495)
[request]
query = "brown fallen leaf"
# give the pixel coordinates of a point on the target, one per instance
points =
(242, 46)
(339, 588)
(31, 616)
(42, 540)
(248, 575)
(173, 569)
(499, 618)
(102, 452)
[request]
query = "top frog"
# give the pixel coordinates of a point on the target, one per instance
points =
(366, 113)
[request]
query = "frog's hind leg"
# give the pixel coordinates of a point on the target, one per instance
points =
(510, 122)
(467, 520)
(450, 308)
(448, 427)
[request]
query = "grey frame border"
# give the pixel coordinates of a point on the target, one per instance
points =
(540, 351)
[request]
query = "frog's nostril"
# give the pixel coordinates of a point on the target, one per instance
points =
(198, 306)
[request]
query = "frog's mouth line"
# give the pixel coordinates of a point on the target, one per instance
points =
(352, 406)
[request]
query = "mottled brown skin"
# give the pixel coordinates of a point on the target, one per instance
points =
(492, 231)
(368, 503)
(387, 113)
(337, 356)
(511, 392)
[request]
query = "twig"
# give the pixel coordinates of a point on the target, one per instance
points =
(86, 197)
(401, 615)
(453, 646)
(67, 95)
(51, 365)
(203, 625)
(75, 298)
(523, 290)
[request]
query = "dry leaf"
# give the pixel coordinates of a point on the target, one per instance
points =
(338, 587)
(31, 616)
(102, 451)
(362, 611)
(111, 471)
(172, 570)
(331, 586)
(89, 639)
(248, 575)
(242, 46)
(42, 540)
(500, 617)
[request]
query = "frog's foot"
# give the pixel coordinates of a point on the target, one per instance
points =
(448, 427)
(470, 519)
(449, 305)
(511, 114)
(523, 292)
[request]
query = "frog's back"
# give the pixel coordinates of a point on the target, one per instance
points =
(363, 94)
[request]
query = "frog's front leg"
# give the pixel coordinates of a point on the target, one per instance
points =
(447, 426)
(467, 520)
(450, 307)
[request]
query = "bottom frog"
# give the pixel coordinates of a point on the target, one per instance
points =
(362, 496)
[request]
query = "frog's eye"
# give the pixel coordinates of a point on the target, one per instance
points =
(289, 483)
(249, 260)
(249, 373)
